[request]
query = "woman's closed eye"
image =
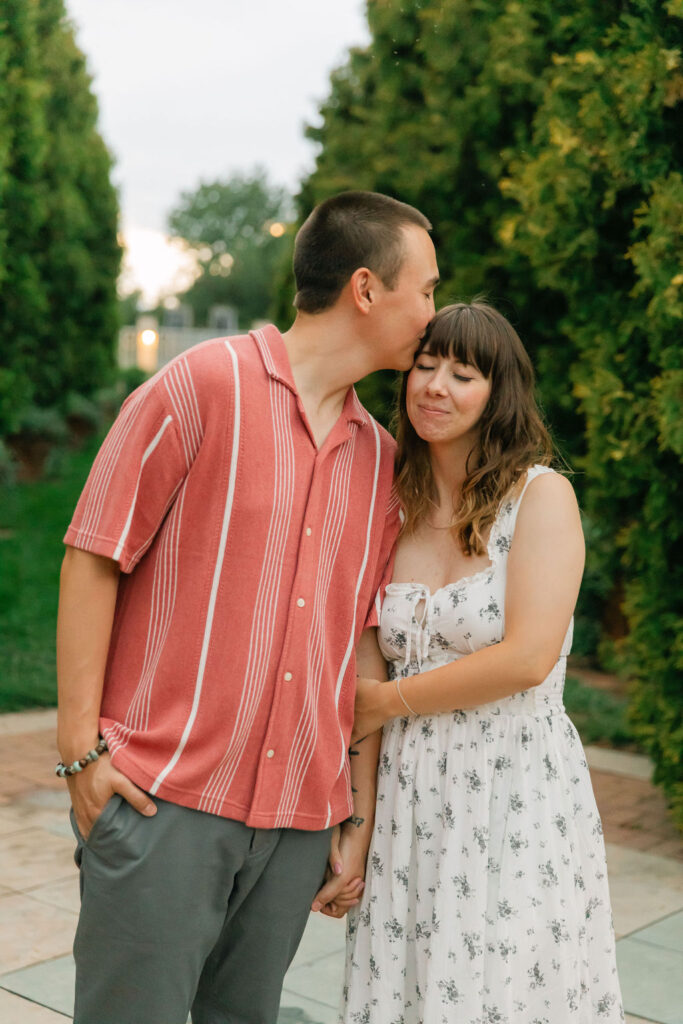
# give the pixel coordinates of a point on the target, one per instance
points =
(458, 376)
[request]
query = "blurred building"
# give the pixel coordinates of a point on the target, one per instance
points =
(150, 345)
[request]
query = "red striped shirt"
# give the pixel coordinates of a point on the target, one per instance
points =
(250, 563)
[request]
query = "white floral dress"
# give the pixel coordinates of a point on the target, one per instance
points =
(486, 897)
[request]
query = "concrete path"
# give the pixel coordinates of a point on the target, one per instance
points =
(39, 891)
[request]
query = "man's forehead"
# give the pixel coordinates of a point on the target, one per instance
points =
(419, 252)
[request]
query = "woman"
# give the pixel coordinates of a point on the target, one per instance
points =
(486, 896)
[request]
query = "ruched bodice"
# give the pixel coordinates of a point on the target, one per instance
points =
(420, 630)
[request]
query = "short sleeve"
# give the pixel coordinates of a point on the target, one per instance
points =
(134, 479)
(385, 562)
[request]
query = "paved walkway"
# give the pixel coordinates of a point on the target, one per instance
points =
(39, 891)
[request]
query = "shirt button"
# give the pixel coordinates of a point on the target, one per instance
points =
(309, 531)
(288, 676)
(270, 753)
(301, 602)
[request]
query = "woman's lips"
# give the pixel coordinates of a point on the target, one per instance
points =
(432, 410)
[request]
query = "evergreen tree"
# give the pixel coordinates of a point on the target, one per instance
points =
(59, 256)
(80, 253)
(23, 145)
(599, 217)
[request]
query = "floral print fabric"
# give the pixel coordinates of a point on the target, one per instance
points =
(486, 898)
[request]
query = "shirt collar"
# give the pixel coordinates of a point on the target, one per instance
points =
(273, 352)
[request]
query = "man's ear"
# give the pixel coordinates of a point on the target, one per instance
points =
(363, 288)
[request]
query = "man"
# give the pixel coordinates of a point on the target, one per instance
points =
(221, 565)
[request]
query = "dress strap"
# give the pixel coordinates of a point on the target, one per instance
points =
(531, 474)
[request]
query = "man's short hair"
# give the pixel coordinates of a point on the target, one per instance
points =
(348, 231)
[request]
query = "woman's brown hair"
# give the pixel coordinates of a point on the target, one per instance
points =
(512, 436)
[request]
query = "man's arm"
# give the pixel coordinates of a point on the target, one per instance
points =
(87, 598)
(343, 890)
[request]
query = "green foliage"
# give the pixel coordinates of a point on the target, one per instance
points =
(599, 716)
(544, 140)
(8, 469)
(59, 255)
(227, 225)
(81, 412)
(600, 221)
(23, 148)
(129, 306)
(129, 379)
(33, 520)
(36, 421)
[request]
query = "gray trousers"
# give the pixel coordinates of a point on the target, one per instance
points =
(186, 911)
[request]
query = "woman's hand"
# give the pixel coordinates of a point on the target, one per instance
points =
(375, 705)
(345, 872)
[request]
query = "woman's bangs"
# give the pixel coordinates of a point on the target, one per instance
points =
(459, 334)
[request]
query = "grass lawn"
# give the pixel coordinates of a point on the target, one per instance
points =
(33, 520)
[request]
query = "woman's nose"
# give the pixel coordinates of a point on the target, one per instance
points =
(437, 382)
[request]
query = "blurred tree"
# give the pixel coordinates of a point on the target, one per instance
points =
(129, 306)
(228, 225)
(23, 145)
(59, 255)
(80, 253)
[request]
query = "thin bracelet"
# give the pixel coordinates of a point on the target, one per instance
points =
(398, 687)
(63, 770)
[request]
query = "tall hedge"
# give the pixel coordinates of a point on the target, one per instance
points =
(59, 255)
(544, 141)
(600, 219)
(23, 148)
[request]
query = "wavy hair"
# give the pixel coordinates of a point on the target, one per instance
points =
(512, 435)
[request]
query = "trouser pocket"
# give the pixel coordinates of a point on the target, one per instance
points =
(98, 827)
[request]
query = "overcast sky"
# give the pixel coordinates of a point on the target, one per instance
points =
(197, 89)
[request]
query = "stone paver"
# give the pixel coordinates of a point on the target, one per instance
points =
(634, 815)
(39, 891)
(15, 1010)
(643, 888)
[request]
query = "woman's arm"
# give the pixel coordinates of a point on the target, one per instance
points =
(544, 572)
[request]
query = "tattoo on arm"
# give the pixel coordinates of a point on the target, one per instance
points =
(352, 750)
(355, 820)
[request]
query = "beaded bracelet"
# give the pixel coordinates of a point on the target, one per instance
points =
(63, 771)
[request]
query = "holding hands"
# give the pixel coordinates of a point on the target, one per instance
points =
(344, 883)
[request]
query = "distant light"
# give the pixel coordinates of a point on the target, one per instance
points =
(277, 229)
(148, 337)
